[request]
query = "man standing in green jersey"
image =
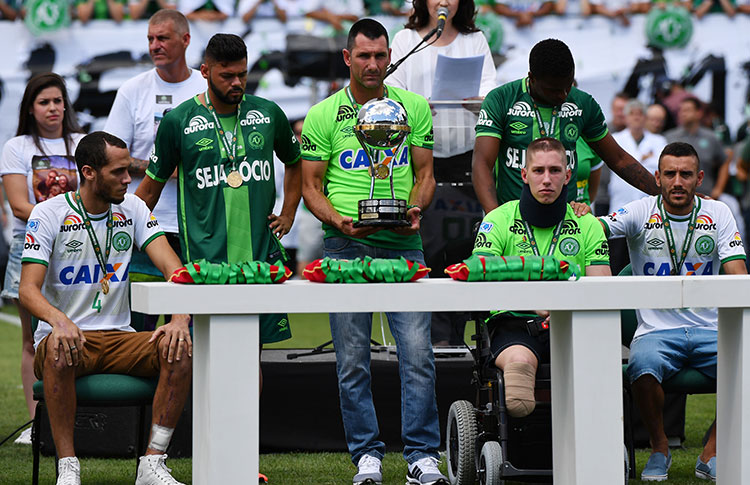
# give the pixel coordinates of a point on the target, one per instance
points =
(541, 223)
(544, 104)
(335, 178)
(222, 144)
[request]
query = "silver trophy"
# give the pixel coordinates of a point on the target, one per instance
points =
(381, 125)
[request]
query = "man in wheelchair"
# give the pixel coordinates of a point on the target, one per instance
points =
(675, 233)
(540, 223)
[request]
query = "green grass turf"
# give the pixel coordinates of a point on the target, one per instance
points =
(283, 469)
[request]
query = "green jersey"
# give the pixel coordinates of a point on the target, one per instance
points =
(511, 114)
(581, 240)
(588, 161)
(328, 136)
(218, 222)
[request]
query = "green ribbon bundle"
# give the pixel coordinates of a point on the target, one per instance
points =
(246, 272)
(367, 270)
(517, 268)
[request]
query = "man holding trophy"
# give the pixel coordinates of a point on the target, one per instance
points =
(367, 175)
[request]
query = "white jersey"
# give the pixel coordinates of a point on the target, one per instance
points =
(139, 106)
(57, 238)
(647, 152)
(715, 241)
(47, 173)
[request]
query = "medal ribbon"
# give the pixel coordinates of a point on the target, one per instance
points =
(538, 115)
(677, 263)
(231, 150)
(92, 235)
(552, 244)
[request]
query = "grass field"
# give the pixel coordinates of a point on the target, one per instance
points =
(283, 469)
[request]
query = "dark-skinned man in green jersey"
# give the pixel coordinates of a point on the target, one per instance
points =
(222, 144)
(541, 223)
(543, 104)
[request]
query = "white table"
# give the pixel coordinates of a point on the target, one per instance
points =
(587, 410)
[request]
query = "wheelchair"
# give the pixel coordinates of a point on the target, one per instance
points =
(484, 444)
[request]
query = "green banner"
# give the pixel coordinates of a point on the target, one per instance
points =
(45, 16)
(669, 27)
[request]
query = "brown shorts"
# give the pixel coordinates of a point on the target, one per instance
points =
(110, 352)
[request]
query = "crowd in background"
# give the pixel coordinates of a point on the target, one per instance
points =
(523, 12)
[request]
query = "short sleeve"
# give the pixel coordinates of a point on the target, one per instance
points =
(316, 136)
(146, 226)
(597, 247)
(490, 240)
(595, 127)
(623, 221)
(730, 245)
(120, 120)
(165, 156)
(490, 120)
(11, 160)
(41, 232)
(420, 120)
(284, 143)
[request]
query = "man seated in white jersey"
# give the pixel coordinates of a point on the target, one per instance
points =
(675, 233)
(75, 281)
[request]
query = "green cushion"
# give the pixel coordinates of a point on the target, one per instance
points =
(690, 381)
(109, 389)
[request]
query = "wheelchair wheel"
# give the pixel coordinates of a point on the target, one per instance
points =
(460, 443)
(490, 462)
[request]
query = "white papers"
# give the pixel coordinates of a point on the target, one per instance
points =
(457, 78)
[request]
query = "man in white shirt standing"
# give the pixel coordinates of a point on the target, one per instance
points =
(645, 147)
(139, 106)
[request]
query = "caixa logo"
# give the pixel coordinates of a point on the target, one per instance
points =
(31, 243)
(91, 274)
(351, 160)
(691, 269)
(120, 220)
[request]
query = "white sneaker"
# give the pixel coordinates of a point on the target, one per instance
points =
(24, 438)
(152, 470)
(68, 471)
(369, 471)
(425, 472)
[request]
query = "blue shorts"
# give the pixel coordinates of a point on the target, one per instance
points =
(13, 270)
(663, 353)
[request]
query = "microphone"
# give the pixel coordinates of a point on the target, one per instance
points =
(442, 14)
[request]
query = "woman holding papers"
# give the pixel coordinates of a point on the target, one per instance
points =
(461, 44)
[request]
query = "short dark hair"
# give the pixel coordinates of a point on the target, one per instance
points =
(92, 151)
(372, 29)
(463, 20)
(225, 48)
(680, 149)
(697, 104)
(551, 58)
(546, 144)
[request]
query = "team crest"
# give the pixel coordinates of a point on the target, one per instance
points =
(569, 246)
(122, 241)
(704, 245)
(256, 140)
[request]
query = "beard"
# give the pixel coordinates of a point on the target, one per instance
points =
(104, 193)
(230, 97)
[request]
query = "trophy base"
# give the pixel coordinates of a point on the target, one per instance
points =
(382, 212)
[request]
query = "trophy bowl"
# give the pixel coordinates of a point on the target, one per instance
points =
(382, 124)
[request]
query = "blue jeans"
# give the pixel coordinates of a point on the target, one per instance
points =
(420, 431)
(663, 353)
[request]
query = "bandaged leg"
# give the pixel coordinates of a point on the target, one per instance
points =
(160, 438)
(519, 388)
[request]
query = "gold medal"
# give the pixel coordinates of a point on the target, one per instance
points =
(234, 179)
(382, 172)
(105, 286)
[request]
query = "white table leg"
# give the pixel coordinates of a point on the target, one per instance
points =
(587, 417)
(733, 397)
(225, 399)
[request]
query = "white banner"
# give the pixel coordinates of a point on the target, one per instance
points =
(605, 53)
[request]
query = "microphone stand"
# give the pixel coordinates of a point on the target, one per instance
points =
(395, 65)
